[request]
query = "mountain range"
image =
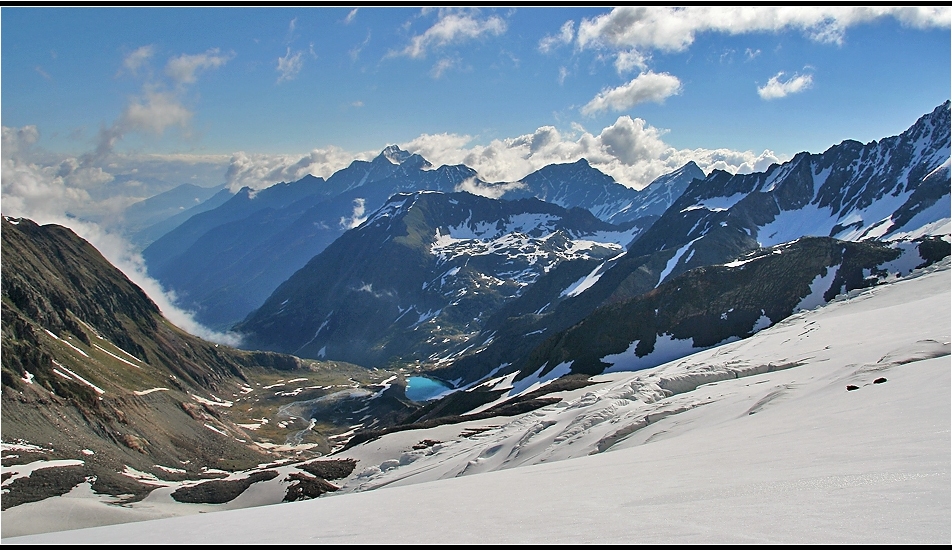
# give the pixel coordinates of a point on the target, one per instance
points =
(420, 276)
(224, 263)
(894, 188)
(526, 306)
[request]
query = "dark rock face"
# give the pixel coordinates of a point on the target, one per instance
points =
(219, 491)
(329, 469)
(308, 487)
(42, 484)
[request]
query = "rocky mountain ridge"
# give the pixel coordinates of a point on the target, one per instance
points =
(224, 263)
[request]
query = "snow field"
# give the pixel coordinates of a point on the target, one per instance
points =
(753, 442)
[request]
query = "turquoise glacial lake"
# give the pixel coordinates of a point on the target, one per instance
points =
(421, 389)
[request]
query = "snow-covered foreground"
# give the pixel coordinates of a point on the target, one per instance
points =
(757, 441)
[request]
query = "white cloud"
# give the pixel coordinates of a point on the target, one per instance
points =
(184, 69)
(356, 218)
(258, 171)
(492, 191)
(290, 65)
(775, 88)
(121, 254)
(350, 16)
(160, 105)
(630, 150)
(37, 184)
(565, 36)
(627, 60)
(648, 86)
(138, 58)
(354, 52)
(452, 27)
(442, 66)
(66, 193)
(154, 112)
(674, 29)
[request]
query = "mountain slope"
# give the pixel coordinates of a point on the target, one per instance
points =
(716, 304)
(897, 186)
(166, 205)
(717, 437)
(97, 387)
(242, 204)
(422, 274)
(851, 191)
(146, 235)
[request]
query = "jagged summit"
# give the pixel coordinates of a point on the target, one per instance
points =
(402, 158)
(395, 155)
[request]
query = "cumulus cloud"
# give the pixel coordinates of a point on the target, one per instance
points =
(185, 68)
(648, 86)
(159, 106)
(37, 183)
(154, 112)
(565, 36)
(675, 28)
(776, 88)
(628, 60)
(452, 27)
(138, 58)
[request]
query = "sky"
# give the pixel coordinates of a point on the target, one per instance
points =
(102, 107)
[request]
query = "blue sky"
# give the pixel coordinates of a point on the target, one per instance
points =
(101, 107)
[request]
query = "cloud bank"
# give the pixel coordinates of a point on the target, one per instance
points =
(674, 29)
(630, 150)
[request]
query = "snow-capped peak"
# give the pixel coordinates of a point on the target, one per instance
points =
(395, 155)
